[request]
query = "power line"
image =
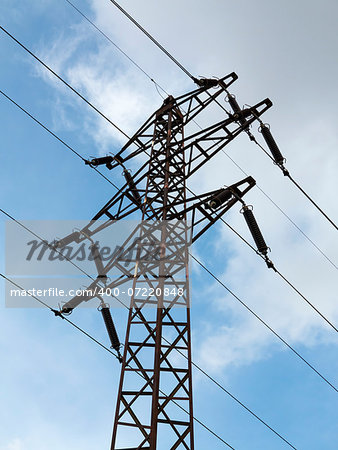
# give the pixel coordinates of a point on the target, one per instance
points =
(43, 126)
(59, 314)
(299, 229)
(307, 301)
(144, 31)
(287, 174)
(64, 143)
(12, 218)
(312, 201)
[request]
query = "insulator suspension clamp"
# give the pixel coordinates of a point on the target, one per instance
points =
(278, 158)
(111, 330)
(206, 82)
(249, 217)
(245, 207)
(107, 160)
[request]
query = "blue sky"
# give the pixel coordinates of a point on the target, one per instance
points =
(58, 389)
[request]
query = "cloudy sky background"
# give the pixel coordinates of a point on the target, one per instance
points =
(58, 389)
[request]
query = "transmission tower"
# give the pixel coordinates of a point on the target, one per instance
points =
(154, 403)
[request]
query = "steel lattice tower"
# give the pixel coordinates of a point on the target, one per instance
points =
(170, 316)
(154, 404)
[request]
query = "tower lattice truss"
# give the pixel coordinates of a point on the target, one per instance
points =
(154, 408)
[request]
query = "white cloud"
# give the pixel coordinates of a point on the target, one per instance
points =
(119, 97)
(105, 79)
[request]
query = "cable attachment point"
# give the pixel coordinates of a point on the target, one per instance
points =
(223, 196)
(107, 160)
(229, 194)
(269, 263)
(73, 237)
(118, 159)
(57, 313)
(285, 171)
(205, 82)
(254, 230)
(239, 114)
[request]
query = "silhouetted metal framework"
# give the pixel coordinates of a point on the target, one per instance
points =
(154, 402)
(165, 381)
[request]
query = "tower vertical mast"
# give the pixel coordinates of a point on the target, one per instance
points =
(156, 408)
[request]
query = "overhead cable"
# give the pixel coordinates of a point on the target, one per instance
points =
(278, 160)
(144, 31)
